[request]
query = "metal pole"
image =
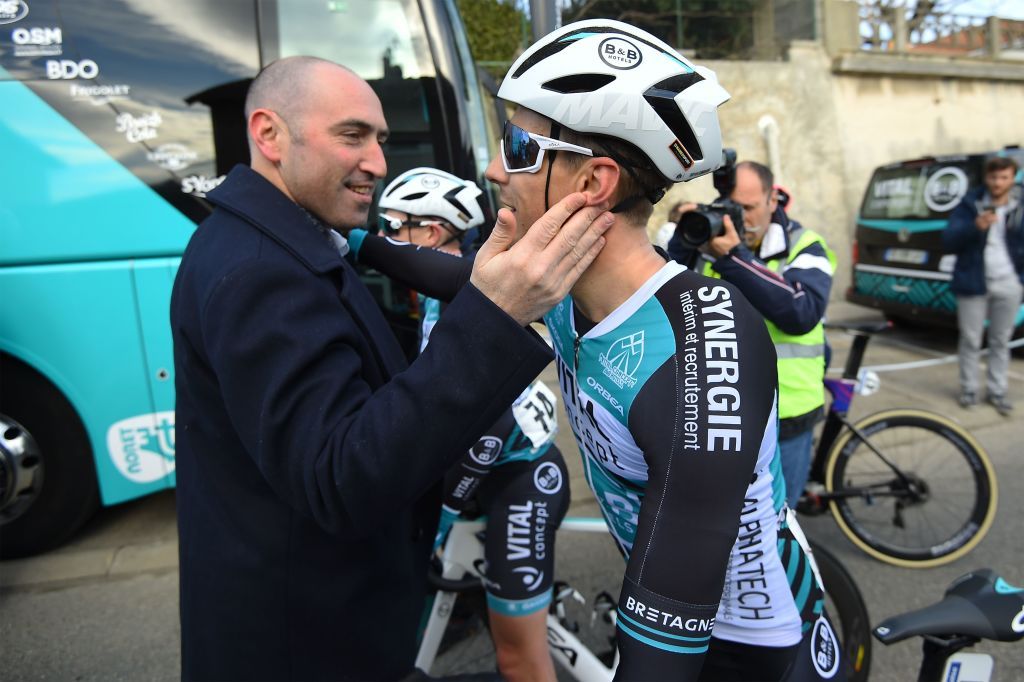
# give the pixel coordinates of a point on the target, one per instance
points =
(545, 17)
(679, 24)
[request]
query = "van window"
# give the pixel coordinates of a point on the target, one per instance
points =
(917, 191)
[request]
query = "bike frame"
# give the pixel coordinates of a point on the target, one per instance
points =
(842, 391)
(464, 553)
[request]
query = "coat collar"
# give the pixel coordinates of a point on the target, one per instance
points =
(249, 195)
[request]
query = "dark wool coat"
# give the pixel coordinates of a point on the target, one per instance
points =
(308, 453)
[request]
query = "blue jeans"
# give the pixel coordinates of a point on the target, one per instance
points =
(795, 453)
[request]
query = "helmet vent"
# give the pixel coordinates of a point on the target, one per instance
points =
(450, 197)
(541, 54)
(675, 84)
(662, 103)
(581, 82)
(414, 197)
(396, 188)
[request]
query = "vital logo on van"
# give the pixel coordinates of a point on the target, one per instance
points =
(12, 11)
(142, 447)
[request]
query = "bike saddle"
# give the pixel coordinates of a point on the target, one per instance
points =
(979, 604)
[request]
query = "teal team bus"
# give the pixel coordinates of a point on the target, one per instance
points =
(899, 266)
(116, 119)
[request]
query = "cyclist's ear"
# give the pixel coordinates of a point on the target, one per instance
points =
(598, 179)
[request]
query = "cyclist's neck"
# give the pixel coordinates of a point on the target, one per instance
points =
(625, 263)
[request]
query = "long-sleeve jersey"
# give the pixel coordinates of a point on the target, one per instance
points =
(524, 433)
(672, 400)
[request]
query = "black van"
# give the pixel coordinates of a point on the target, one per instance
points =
(899, 266)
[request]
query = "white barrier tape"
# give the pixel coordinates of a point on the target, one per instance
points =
(917, 364)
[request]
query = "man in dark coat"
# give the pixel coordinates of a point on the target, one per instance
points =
(308, 453)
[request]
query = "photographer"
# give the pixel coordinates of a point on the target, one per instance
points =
(785, 271)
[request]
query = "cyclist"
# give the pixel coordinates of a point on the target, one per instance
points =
(669, 377)
(514, 474)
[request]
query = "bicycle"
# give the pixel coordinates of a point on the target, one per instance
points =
(461, 576)
(590, 655)
(907, 486)
(977, 605)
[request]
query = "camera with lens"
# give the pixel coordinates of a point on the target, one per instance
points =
(706, 221)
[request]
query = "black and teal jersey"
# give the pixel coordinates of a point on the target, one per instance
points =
(516, 477)
(524, 432)
(672, 399)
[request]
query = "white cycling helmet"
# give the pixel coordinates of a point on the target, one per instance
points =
(605, 77)
(432, 192)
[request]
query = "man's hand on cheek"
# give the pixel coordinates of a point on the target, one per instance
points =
(528, 278)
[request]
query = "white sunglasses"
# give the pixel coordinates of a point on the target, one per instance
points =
(391, 224)
(523, 151)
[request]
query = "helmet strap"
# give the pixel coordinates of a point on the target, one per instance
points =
(555, 130)
(653, 196)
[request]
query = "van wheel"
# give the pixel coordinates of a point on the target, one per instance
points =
(48, 483)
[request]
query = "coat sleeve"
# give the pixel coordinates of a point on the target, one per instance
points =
(961, 234)
(286, 354)
(795, 301)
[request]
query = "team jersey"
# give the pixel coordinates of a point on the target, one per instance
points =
(523, 433)
(672, 399)
(673, 394)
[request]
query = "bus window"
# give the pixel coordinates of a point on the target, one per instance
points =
(389, 50)
(118, 118)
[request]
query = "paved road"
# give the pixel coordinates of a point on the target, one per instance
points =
(104, 607)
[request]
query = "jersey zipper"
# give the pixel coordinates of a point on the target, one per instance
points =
(576, 351)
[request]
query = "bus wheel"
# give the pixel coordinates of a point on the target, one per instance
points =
(47, 478)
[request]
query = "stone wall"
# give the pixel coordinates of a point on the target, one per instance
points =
(836, 124)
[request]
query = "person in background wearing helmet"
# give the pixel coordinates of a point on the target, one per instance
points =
(514, 474)
(785, 270)
(668, 376)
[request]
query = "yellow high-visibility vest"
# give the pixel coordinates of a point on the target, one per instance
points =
(801, 358)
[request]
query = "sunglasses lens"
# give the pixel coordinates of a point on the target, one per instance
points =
(520, 149)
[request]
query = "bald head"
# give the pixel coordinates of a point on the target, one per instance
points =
(286, 86)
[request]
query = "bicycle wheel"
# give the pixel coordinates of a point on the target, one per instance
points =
(933, 509)
(467, 647)
(848, 612)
